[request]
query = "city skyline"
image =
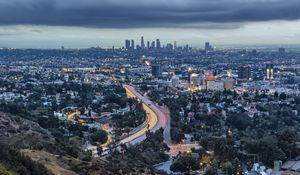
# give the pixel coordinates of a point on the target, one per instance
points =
(208, 87)
(50, 24)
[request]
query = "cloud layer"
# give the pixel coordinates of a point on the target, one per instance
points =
(145, 13)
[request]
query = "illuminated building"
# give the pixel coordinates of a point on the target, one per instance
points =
(215, 85)
(175, 81)
(195, 79)
(229, 73)
(190, 71)
(229, 84)
(269, 70)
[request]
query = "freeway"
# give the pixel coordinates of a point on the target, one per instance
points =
(156, 119)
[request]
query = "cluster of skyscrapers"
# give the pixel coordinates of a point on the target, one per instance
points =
(244, 72)
(129, 44)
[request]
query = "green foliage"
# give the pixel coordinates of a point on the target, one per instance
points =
(185, 163)
(4, 171)
(227, 168)
(176, 135)
(130, 119)
(20, 164)
(99, 136)
(87, 156)
(239, 121)
(151, 151)
(114, 98)
(282, 96)
(48, 122)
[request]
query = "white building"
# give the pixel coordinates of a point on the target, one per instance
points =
(215, 85)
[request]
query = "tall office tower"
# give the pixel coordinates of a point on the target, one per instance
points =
(132, 44)
(156, 70)
(153, 44)
(127, 44)
(208, 47)
(169, 46)
(281, 50)
(158, 44)
(175, 44)
(190, 72)
(148, 44)
(269, 71)
(142, 43)
(254, 52)
(186, 47)
(244, 72)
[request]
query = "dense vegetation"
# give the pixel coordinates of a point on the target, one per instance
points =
(271, 134)
(14, 161)
(124, 123)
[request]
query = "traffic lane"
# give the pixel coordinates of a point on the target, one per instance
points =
(161, 119)
(152, 123)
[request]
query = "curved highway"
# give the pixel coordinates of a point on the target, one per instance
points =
(156, 118)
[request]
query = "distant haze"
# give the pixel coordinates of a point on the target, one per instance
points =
(106, 23)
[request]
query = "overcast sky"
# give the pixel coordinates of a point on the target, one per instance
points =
(85, 23)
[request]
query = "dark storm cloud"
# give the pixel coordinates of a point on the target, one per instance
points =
(145, 13)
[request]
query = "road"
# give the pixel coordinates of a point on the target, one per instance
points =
(156, 119)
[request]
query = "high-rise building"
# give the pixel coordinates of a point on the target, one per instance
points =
(132, 44)
(175, 44)
(269, 71)
(195, 79)
(208, 47)
(281, 50)
(244, 72)
(153, 44)
(186, 47)
(156, 70)
(142, 43)
(127, 44)
(169, 46)
(158, 44)
(254, 52)
(190, 72)
(148, 44)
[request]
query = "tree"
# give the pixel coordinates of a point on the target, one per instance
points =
(185, 163)
(214, 166)
(297, 100)
(99, 136)
(276, 95)
(3, 171)
(282, 96)
(245, 95)
(236, 165)
(227, 168)
(87, 155)
(209, 171)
